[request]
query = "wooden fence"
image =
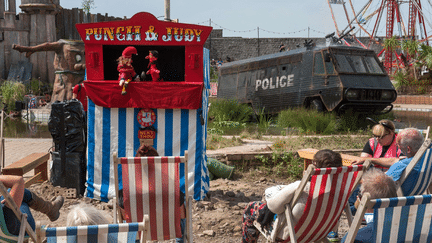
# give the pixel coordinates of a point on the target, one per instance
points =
(67, 18)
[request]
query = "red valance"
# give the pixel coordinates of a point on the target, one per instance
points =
(155, 95)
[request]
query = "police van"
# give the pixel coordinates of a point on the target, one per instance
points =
(327, 78)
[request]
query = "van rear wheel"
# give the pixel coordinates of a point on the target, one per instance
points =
(316, 104)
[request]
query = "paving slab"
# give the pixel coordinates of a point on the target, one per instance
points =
(18, 148)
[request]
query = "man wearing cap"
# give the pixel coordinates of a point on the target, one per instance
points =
(125, 68)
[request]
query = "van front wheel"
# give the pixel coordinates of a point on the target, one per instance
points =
(316, 104)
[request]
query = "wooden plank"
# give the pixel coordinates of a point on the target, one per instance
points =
(42, 168)
(26, 164)
(34, 179)
(308, 155)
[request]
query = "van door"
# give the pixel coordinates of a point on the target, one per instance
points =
(326, 88)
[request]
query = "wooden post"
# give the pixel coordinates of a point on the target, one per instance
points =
(2, 146)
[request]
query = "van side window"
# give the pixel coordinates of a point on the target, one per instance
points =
(318, 64)
(329, 65)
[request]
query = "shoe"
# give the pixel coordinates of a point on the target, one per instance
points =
(51, 209)
(333, 236)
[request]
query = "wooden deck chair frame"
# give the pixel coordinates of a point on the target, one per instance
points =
(311, 170)
(25, 226)
(422, 186)
(396, 219)
(86, 230)
(188, 233)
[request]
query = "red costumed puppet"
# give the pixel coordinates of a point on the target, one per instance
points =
(125, 68)
(153, 71)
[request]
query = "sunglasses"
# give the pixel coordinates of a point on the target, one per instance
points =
(381, 137)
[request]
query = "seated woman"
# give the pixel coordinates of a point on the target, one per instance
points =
(382, 148)
(26, 199)
(264, 212)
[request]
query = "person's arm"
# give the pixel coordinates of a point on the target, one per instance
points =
(384, 162)
(16, 184)
(276, 204)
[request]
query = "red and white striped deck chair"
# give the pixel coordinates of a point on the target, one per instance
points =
(151, 185)
(328, 196)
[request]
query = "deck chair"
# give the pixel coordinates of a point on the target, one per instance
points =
(5, 236)
(398, 219)
(106, 233)
(424, 179)
(328, 196)
(151, 185)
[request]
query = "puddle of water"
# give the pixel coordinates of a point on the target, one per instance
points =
(417, 119)
(17, 128)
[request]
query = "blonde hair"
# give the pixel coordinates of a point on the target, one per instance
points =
(84, 214)
(383, 127)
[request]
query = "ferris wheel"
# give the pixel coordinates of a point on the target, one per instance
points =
(377, 19)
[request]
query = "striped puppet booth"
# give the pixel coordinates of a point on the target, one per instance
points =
(167, 111)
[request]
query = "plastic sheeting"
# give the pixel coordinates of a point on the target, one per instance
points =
(67, 125)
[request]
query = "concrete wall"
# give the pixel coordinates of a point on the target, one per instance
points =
(238, 48)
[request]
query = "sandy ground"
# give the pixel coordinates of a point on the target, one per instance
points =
(217, 218)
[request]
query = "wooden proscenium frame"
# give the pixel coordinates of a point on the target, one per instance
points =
(309, 153)
(36, 161)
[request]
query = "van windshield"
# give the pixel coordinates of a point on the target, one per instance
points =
(358, 64)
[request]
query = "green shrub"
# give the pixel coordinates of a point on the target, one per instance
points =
(351, 121)
(12, 91)
(308, 121)
(214, 75)
(263, 120)
(282, 164)
(287, 118)
(33, 87)
(402, 79)
(229, 110)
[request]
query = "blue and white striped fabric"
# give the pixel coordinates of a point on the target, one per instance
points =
(108, 233)
(115, 130)
(421, 177)
(403, 219)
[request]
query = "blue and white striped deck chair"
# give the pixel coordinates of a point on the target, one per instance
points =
(105, 233)
(422, 177)
(5, 236)
(397, 219)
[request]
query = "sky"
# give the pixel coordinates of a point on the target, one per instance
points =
(247, 18)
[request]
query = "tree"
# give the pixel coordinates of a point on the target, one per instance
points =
(87, 5)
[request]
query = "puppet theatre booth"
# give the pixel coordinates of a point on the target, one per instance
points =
(147, 82)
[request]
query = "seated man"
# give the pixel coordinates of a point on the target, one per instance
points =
(409, 140)
(378, 185)
(264, 212)
(26, 199)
